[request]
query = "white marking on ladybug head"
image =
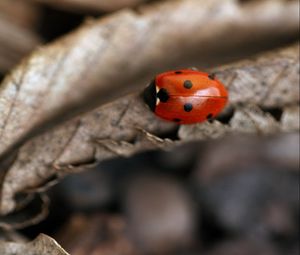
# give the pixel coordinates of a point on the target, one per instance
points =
(157, 99)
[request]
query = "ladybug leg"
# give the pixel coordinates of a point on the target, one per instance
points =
(212, 76)
(210, 118)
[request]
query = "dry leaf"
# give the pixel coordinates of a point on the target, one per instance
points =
(290, 118)
(42, 245)
(11, 236)
(20, 12)
(127, 126)
(93, 65)
(31, 209)
(93, 5)
(15, 43)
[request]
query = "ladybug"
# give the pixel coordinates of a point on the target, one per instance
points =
(185, 96)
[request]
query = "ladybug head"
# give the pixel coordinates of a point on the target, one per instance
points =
(149, 95)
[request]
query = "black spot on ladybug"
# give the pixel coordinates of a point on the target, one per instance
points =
(177, 120)
(188, 107)
(149, 95)
(178, 72)
(209, 116)
(188, 84)
(163, 95)
(212, 76)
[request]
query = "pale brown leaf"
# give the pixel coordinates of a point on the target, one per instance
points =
(31, 209)
(127, 126)
(92, 5)
(42, 245)
(20, 12)
(108, 57)
(16, 42)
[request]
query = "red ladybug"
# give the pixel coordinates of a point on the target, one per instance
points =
(186, 96)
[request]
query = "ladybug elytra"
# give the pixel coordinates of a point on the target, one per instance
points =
(186, 96)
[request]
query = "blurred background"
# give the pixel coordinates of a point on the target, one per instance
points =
(200, 198)
(234, 196)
